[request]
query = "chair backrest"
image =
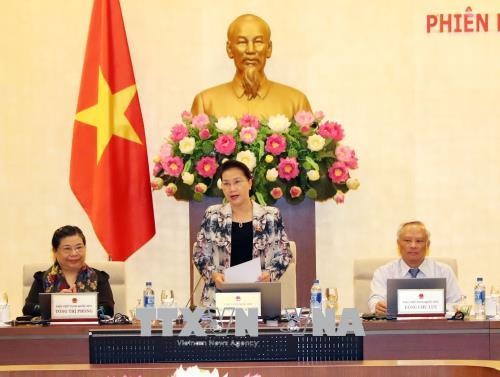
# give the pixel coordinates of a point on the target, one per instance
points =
(288, 283)
(363, 274)
(115, 270)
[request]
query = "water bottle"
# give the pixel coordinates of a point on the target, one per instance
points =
(149, 296)
(479, 298)
(315, 296)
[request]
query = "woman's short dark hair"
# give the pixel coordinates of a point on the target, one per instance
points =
(231, 164)
(66, 231)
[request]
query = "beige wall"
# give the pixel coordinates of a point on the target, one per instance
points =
(421, 110)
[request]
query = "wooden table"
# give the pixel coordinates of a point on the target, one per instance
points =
(385, 340)
(391, 368)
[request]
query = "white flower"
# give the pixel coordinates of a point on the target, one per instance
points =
(187, 178)
(315, 143)
(226, 124)
(196, 372)
(352, 184)
(248, 158)
(219, 184)
(279, 123)
(272, 175)
(187, 145)
(313, 175)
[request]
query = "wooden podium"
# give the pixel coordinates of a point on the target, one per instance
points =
(300, 225)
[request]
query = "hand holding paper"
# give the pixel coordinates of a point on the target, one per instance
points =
(247, 272)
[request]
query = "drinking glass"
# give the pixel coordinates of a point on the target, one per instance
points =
(167, 297)
(133, 316)
(332, 298)
(495, 293)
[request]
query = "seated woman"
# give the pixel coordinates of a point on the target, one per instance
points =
(238, 231)
(70, 273)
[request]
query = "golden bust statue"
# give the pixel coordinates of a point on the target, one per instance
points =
(249, 45)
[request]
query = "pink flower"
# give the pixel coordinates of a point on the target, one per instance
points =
(156, 183)
(201, 120)
(295, 191)
(304, 118)
(248, 134)
(275, 144)
(157, 168)
(288, 168)
(204, 134)
(276, 193)
(338, 172)
(173, 165)
(248, 120)
(305, 129)
(225, 144)
(171, 189)
(347, 156)
(331, 130)
(206, 167)
(339, 197)
(318, 116)
(179, 132)
(165, 151)
(186, 116)
(200, 187)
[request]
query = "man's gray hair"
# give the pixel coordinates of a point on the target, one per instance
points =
(417, 223)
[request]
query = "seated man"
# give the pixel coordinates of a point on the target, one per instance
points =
(413, 244)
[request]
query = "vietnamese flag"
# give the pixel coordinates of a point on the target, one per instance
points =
(109, 163)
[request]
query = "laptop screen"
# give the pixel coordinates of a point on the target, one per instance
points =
(270, 294)
(416, 297)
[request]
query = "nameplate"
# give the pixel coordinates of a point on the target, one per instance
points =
(421, 302)
(73, 306)
(243, 300)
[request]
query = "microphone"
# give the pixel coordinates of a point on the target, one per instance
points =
(191, 294)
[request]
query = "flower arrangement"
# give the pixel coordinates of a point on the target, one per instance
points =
(194, 371)
(290, 158)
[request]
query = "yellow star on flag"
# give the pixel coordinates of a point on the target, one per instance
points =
(108, 115)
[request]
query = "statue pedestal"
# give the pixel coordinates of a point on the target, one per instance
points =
(300, 225)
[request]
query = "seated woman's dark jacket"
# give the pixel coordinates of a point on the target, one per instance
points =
(105, 302)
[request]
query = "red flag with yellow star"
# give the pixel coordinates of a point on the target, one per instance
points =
(109, 164)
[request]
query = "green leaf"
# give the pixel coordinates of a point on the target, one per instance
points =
(313, 163)
(312, 194)
(198, 196)
(260, 199)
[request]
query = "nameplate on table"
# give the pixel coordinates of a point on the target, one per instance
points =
(243, 300)
(73, 306)
(421, 302)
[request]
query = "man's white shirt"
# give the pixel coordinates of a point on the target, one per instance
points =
(398, 269)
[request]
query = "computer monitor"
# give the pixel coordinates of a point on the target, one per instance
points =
(423, 289)
(270, 295)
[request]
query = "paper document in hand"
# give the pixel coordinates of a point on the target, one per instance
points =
(247, 272)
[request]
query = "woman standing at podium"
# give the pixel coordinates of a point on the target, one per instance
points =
(70, 273)
(238, 231)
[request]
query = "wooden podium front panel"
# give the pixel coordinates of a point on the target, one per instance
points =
(495, 340)
(300, 225)
(55, 344)
(426, 339)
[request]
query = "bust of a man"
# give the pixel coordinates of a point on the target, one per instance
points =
(250, 92)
